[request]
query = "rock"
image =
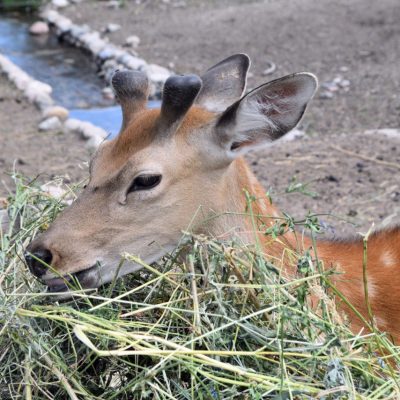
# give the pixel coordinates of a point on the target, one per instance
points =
(93, 143)
(50, 124)
(93, 42)
(39, 28)
(56, 111)
(128, 60)
(79, 30)
(72, 125)
(294, 134)
(108, 93)
(110, 28)
(85, 129)
(90, 131)
(40, 97)
(50, 15)
(337, 80)
(64, 25)
(135, 63)
(132, 41)
(337, 84)
(131, 61)
(118, 53)
(60, 3)
(157, 73)
(326, 95)
(344, 83)
(36, 92)
(108, 52)
(330, 86)
(16, 75)
(40, 87)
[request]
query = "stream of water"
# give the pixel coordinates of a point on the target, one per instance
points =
(71, 73)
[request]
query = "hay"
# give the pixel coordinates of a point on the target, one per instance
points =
(192, 327)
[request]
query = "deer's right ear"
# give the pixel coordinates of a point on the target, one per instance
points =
(265, 114)
(224, 83)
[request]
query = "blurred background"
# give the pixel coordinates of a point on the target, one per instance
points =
(345, 160)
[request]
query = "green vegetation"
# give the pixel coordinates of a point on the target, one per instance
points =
(20, 4)
(192, 327)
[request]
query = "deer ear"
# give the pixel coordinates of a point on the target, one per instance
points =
(224, 83)
(266, 113)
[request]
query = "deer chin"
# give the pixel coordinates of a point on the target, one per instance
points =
(64, 288)
(61, 286)
(103, 270)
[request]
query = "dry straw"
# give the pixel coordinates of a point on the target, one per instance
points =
(195, 326)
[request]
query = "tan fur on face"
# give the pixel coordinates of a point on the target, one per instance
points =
(113, 155)
(143, 131)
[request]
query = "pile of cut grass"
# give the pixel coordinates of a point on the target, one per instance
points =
(191, 327)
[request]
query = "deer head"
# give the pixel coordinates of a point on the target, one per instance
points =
(168, 171)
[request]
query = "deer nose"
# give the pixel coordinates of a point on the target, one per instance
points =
(37, 261)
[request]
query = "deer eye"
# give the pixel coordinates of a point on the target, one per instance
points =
(144, 182)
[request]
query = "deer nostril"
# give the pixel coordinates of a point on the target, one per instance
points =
(37, 261)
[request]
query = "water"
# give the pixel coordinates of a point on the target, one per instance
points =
(71, 73)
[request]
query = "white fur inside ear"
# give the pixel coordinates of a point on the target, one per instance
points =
(252, 116)
(273, 110)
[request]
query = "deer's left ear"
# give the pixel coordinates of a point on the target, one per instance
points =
(266, 113)
(224, 83)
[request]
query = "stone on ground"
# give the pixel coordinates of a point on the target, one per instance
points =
(50, 124)
(56, 111)
(39, 28)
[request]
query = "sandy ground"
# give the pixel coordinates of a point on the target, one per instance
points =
(358, 39)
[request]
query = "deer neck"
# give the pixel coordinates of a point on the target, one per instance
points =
(244, 205)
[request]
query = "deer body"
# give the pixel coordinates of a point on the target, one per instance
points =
(346, 257)
(181, 168)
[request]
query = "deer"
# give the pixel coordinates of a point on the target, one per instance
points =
(147, 185)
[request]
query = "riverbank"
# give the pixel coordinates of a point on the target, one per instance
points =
(35, 154)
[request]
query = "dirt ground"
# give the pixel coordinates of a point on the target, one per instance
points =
(320, 36)
(357, 39)
(352, 178)
(33, 153)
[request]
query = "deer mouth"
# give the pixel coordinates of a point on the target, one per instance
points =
(84, 279)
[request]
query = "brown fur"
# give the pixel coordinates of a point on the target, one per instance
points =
(345, 257)
(199, 180)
